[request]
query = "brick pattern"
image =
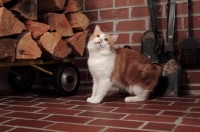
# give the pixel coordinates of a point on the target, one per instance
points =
(130, 19)
(36, 111)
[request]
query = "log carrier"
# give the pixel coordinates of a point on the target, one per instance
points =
(34, 35)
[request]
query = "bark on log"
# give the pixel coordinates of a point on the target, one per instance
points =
(27, 48)
(9, 24)
(78, 21)
(47, 6)
(36, 28)
(77, 42)
(7, 50)
(24, 9)
(73, 6)
(58, 23)
(53, 46)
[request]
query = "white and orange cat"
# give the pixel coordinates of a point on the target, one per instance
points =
(123, 68)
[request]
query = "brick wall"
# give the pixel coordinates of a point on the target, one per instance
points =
(130, 19)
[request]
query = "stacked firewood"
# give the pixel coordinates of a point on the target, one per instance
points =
(31, 29)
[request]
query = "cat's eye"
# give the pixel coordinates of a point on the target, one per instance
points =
(98, 35)
(106, 39)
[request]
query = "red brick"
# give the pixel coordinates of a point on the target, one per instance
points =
(181, 8)
(123, 105)
(59, 111)
(195, 6)
(92, 15)
(141, 11)
(159, 126)
(173, 113)
(195, 109)
(29, 123)
(68, 119)
(73, 127)
(187, 129)
(91, 4)
(102, 115)
(105, 27)
(123, 130)
(136, 37)
(92, 108)
(131, 25)
(116, 123)
(194, 22)
(136, 111)
(26, 115)
(192, 77)
(19, 99)
(5, 128)
(28, 130)
(193, 115)
(176, 108)
(152, 118)
(175, 99)
(190, 121)
(123, 39)
(114, 14)
(128, 2)
(183, 104)
(21, 108)
(52, 105)
(2, 119)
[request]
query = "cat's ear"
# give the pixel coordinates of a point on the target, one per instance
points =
(97, 28)
(114, 37)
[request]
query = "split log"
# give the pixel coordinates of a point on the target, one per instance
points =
(7, 50)
(73, 6)
(36, 28)
(10, 25)
(58, 23)
(27, 48)
(53, 46)
(47, 6)
(77, 42)
(6, 1)
(78, 21)
(1, 2)
(24, 9)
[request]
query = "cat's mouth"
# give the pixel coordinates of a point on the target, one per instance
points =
(98, 43)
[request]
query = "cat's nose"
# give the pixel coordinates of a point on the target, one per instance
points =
(101, 40)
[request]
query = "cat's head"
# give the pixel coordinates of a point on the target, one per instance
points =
(101, 42)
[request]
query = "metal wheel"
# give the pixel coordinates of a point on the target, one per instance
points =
(21, 78)
(66, 79)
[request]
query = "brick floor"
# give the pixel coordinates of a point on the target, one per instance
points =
(45, 111)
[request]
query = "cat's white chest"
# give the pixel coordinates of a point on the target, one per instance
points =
(101, 66)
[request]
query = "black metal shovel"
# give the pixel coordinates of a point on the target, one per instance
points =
(170, 80)
(152, 41)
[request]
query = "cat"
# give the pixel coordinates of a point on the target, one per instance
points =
(122, 67)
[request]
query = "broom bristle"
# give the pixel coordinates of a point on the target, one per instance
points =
(190, 56)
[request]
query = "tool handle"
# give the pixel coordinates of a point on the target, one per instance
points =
(152, 12)
(189, 18)
(171, 25)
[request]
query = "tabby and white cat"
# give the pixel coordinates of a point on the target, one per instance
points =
(123, 68)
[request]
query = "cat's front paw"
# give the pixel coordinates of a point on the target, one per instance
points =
(95, 101)
(89, 99)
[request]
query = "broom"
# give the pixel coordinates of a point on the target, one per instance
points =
(190, 46)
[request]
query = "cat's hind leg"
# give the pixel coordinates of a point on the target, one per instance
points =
(140, 94)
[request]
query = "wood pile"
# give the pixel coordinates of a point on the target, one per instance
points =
(31, 29)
